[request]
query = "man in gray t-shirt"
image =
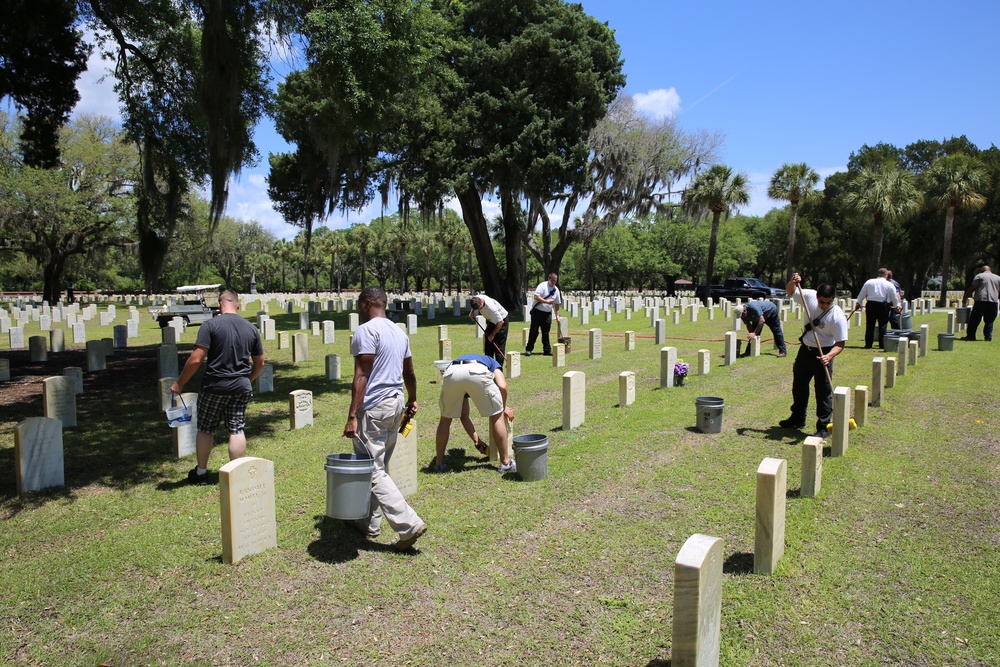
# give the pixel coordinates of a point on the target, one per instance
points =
(985, 288)
(382, 366)
(233, 355)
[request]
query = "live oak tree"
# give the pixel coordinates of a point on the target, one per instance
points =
(82, 205)
(524, 84)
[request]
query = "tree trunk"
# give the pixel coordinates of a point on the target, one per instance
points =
(712, 244)
(52, 275)
(511, 293)
(877, 245)
(475, 221)
(949, 229)
(790, 255)
(451, 251)
(590, 268)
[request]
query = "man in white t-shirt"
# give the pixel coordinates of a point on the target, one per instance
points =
(547, 301)
(880, 298)
(495, 345)
(382, 366)
(828, 329)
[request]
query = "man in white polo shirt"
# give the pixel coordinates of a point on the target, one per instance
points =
(547, 301)
(495, 345)
(879, 297)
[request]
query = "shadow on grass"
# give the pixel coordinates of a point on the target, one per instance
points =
(656, 662)
(458, 459)
(793, 493)
(339, 542)
(776, 433)
(121, 439)
(738, 563)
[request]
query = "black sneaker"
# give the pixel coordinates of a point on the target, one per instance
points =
(527, 353)
(546, 354)
(791, 423)
(822, 433)
(196, 479)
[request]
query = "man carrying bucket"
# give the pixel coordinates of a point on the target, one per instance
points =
(481, 378)
(234, 356)
(382, 366)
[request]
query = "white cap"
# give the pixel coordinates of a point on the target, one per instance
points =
(739, 310)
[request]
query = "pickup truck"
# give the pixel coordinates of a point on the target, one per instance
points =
(742, 288)
(200, 303)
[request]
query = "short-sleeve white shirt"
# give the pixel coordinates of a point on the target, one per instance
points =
(832, 326)
(492, 310)
(547, 291)
(879, 290)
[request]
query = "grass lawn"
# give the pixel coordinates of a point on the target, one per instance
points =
(895, 563)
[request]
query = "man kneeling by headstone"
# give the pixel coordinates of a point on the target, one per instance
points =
(481, 378)
(234, 357)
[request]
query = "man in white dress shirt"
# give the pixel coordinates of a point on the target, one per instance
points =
(879, 296)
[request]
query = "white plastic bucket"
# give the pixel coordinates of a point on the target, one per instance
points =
(177, 415)
(348, 486)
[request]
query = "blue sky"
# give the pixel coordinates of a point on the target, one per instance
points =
(785, 82)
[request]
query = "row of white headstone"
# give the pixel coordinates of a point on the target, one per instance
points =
(699, 564)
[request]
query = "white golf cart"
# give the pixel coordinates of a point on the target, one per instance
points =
(199, 303)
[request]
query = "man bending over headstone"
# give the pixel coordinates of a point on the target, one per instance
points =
(234, 356)
(382, 366)
(755, 315)
(495, 343)
(480, 377)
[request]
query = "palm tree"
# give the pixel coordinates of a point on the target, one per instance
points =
(887, 194)
(792, 183)
(451, 232)
(469, 249)
(718, 191)
(361, 237)
(955, 182)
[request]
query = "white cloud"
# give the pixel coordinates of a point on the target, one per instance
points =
(660, 103)
(97, 88)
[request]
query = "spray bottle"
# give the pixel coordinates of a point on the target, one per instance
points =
(405, 426)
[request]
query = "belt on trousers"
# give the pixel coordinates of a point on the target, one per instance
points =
(459, 362)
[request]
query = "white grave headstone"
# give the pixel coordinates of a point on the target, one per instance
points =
(697, 618)
(246, 486)
(38, 454)
(812, 467)
(186, 434)
(333, 367)
(769, 528)
(574, 399)
(626, 388)
(300, 408)
(265, 381)
(668, 357)
(59, 399)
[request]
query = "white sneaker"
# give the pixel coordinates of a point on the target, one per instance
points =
(509, 467)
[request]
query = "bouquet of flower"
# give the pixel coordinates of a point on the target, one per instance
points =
(681, 369)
